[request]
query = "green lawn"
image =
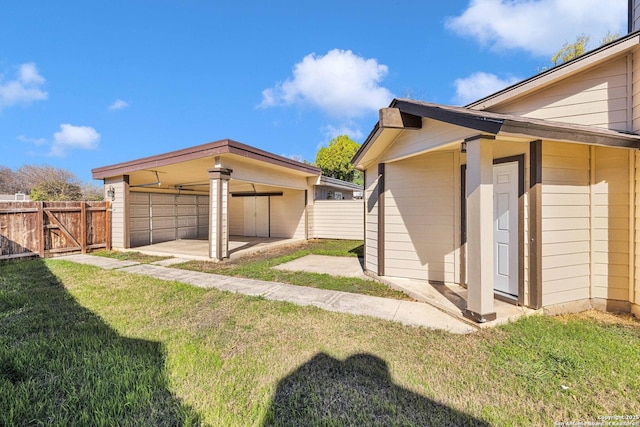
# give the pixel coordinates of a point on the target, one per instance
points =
(84, 346)
(258, 266)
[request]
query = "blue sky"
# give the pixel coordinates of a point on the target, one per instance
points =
(88, 84)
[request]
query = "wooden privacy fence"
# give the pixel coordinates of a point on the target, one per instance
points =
(52, 228)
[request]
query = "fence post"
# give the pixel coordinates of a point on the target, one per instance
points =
(83, 227)
(40, 232)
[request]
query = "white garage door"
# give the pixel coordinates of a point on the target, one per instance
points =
(156, 218)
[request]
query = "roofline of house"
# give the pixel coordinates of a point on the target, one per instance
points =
(496, 123)
(595, 55)
(330, 181)
(224, 146)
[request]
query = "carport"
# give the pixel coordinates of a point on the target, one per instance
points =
(208, 192)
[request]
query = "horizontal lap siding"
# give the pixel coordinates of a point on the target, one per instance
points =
(338, 219)
(597, 97)
(610, 238)
(420, 217)
(635, 297)
(565, 223)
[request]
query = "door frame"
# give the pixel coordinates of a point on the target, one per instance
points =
(519, 158)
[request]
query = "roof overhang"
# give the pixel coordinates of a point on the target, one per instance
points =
(338, 183)
(212, 149)
(496, 124)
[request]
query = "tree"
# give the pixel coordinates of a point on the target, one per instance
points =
(47, 183)
(569, 51)
(55, 190)
(335, 160)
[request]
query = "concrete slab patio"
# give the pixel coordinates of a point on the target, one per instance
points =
(335, 266)
(406, 312)
(199, 249)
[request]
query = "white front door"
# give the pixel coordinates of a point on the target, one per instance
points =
(505, 228)
(256, 216)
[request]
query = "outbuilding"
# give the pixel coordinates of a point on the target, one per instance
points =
(530, 195)
(211, 192)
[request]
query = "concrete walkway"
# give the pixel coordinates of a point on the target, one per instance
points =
(406, 312)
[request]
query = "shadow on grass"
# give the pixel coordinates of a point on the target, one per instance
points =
(356, 391)
(60, 364)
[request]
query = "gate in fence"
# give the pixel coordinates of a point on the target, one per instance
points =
(52, 228)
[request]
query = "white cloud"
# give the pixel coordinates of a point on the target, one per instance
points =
(539, 27)
(340, 83)
(35, 141)
(70, 137)
(346, 129)
(118, 104)
(24, 89)
(479, 85)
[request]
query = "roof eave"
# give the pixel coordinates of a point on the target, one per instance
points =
(225, 146)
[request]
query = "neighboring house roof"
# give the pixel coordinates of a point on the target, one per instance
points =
(338, 183)
(217, 148)
(18, 197)
(589, 59)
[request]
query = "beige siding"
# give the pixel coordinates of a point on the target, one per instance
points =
(635, 15)
(635, 297)
(565, 223)
(371, 221)
(598, 97)
(610, 195)
(433, 134)
(236, 216)
(338, 219)
(119, 212)
(287, 215)
(420, 217)
(636, 89)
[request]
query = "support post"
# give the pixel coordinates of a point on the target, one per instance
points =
(480, 239)
(218, 213)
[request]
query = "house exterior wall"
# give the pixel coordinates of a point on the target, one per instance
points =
(371, 219)
(566, 217)
(634, 12)
(597, 97)
(634, 292)
(338, 219)
(610, 223)
(432, 135)
(119, 211)
(636, 89)
(328, 193)
(420, 217)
